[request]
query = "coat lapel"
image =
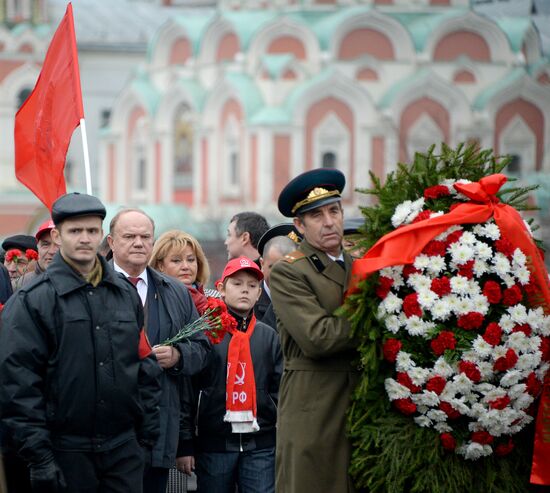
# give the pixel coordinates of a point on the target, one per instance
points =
(330, 268)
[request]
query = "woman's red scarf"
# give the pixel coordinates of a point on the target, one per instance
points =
(240, 394)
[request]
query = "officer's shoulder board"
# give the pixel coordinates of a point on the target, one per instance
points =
(293, 256)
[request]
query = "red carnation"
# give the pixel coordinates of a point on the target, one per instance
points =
(436, 384)
(500, 403)
(531, 288)
(493, 334)
(512, 295)
(534, 385)
(422, 216)
(447, 441)
(441, 286)
(482, 437)
(411, 306)
(506, 362)
(471, 320)
(492, 291)
(13, 255)
(409, 269)
(504, 247)
(31, 254)
(545, 348)
(525, 328)
(390, 349)
(504, 448)
(444, 340)
(453, 237)
(406, 406)
(384, 286)
(404, 379)
(470, 370)
(467, 269)
(436, 191)
(434, 248)
(449, 410)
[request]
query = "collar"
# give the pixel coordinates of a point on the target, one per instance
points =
(143, 276)
(265, 288)
(242, 322)
(340, 257)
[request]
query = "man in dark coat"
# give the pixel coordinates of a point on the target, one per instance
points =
(168, 308)
(5, 284)
(307, 286)
(79, 386)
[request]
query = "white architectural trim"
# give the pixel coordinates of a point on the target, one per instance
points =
(517, 138)
(167, 35)
(23, 77)
(217, 29)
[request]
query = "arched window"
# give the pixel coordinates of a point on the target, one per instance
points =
(22, 96)
(422, 134)
(139, 156)
(518, 141)
(328, 160)
(183, 148)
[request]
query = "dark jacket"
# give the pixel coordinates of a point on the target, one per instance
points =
(176, 309)
(70, 374)
(212, 433)
(5, 285)
(261, 305)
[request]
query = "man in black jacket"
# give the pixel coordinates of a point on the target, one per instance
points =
(169, 307)
(79, 386)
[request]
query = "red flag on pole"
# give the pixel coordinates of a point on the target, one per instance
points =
(46, 121)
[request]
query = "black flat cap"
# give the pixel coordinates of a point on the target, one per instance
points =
(352, 225)
(75, 205)
(310, 190)
(21, 242)
(284, 229)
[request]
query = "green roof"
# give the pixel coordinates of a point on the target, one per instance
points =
(485, 96)
(402, 85)
(541, 63)
(275, 64)
(146, 90)
(271, 115)
(326, 23)
(515, 29)
(248, 23)
(249, 93)
(299, 91)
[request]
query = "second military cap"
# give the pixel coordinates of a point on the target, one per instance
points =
(284, 229)
(310, 190)
(75, 205)
(21, 242)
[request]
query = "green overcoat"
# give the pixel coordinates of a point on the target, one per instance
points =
(313, 452)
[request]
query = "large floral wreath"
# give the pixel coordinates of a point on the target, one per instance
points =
(455, 307)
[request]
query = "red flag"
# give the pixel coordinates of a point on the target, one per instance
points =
(46, 121)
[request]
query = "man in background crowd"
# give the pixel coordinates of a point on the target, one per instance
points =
(19, 257)
(46, 250)
(168, 307)
(243, 234)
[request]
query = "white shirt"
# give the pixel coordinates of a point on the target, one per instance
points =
(265, 288)
(340, 257)
(141, 285)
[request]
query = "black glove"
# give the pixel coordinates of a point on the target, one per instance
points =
(46, 477)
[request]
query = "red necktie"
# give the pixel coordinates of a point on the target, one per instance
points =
(134, 280)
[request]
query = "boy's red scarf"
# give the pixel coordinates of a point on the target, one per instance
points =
(240, 403)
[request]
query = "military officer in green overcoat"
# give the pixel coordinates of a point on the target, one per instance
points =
(307, 286)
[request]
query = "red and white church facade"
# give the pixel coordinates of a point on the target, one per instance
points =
(234, 102)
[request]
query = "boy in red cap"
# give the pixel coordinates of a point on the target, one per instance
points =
(238, 394)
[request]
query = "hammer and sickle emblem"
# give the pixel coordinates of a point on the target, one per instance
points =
(239, 379)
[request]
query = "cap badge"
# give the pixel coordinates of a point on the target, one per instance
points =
(245, 262)
(316, 194)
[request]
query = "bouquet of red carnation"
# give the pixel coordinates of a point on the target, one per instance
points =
(214, 322)
(15, 255)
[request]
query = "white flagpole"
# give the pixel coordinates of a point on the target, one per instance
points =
(86, 156)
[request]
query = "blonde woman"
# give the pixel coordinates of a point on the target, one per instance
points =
(178, 254)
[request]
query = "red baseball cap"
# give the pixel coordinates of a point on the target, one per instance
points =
(238, 264)
(43, 228)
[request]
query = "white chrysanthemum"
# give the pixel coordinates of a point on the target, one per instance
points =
(522, 274)
(483, 251)
(437, 264)
(391, 271)
(506, 323)
(392, 324)
(474, 450)
(480, 304)
(491, 231)
(468, 238)
(381, 312)
(392, 303)
(529, 362)
(460, 252)
(437, 415)
(501, 265)
(511, 377)
(426, 398)
(416, 208)
(422, 261)
(519, 342)
(486, 369)
(416, 326)
(419, 282)
(534, 343)
(545, 326)
(477, 410)
(493, 394)
(404, 362)
(423, 421)
(395, 390)
(426, 298)
(542, 370)
(441, 310)
(401, 213)
(480, 268)
(441, 367)
(499, 352)
(463, 305)
(463, 383)
(519, 258)
(442, 428)
(418, 375)
(508, 279)
(482, 347)
(459, 285)
(518, 314)
(523, 401)
(535, 318)
(517, 390)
